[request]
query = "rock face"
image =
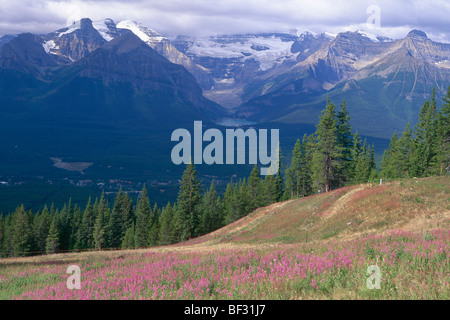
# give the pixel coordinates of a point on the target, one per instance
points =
(164, 47)
(25, 53)
(127, 59)
(74, 42)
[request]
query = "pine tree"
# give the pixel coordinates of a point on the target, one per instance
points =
(362, 166)
(425, 142)
(211, 211)
(128, 239)
(296, 169)
(120, 219)
(254, 190)
(443, 136)
(153, 234)
(231, 203)
(270, 190)
(65, 220)
(188, 204)
(143, 215)
(372, 165)
(243, 202)
(345, 142)
(22, 233)
(167, 226)
(289, 184)
(76, 224)
(328, 152)
(403, 158)
(8, 249)
(99, 232)
(306, 158)
(86, 235)
(41, 228)
(388, 169)
(52, 241)
(279, 181)
(2, 235)
(356, 151)
(126, 212)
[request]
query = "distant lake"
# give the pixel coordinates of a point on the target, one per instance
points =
(227, 122)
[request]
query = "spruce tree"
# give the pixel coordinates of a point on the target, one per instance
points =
(22, 232)
(41, 226)
(231, 203)
(120, 219)
(270, 190)
(243, 201)
(75, 228)
(306, 158)
(279, 181)
(363, 165)
(128, 239)
(99, 231)
(167, 227)
(189, 204)
(143, 216)
(443, 136)
(425, 141)
(8, 249)
(328, 152)
(211, 211)
(404, 155)
(388, 169)
(86, 235)
(52, 241)
(296, 169)
(289, 184)
(345, 142)
(254, 190)
(153, 234)
(2, 235)
(65, 220)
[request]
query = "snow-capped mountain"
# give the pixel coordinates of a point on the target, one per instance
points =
(268, 50)
(164, 47)
(265, 75)
(237, 60)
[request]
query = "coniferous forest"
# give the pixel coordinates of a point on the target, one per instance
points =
(334, 156)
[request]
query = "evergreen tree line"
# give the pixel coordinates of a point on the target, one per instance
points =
(330, 158)
(99, 226)
(424, 150)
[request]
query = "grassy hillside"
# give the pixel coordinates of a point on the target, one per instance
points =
(410, 204)
(318, 247)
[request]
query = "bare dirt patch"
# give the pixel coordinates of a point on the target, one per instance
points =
(71, 166)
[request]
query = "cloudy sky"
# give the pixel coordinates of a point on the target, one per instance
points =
(393, 18)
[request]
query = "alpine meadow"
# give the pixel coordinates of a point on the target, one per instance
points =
(234, 155)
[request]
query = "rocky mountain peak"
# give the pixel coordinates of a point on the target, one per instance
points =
(417, 34)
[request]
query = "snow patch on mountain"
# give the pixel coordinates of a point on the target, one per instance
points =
(103, 29)
(75, 26)
(267, 50)
(373, 37)
(49, 46)
(144, 33)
